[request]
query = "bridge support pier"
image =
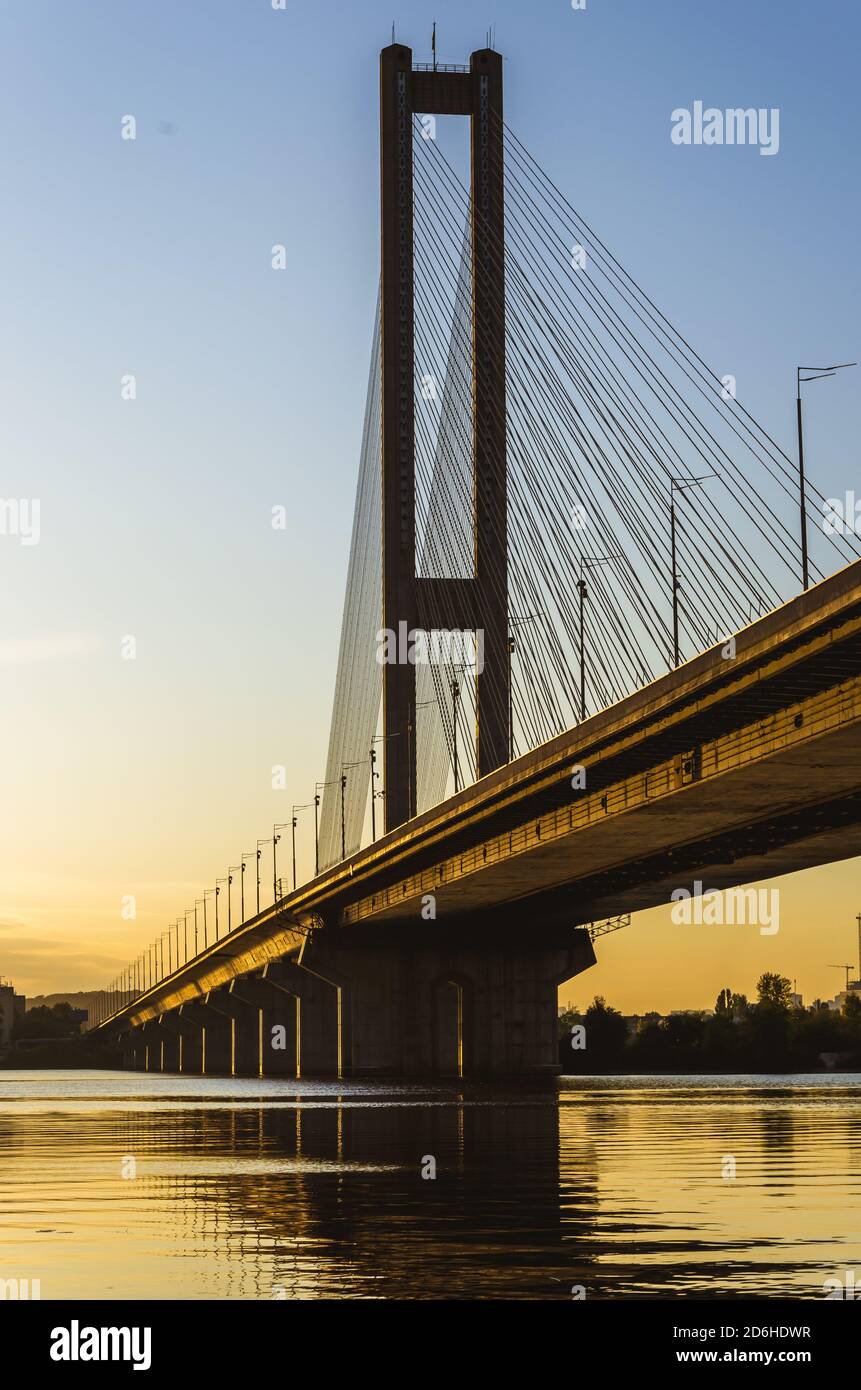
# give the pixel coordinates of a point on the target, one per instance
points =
(276, 1012)
(215, 1037)
(185, 1045)
(458, 1008)
(240, 1029)
(314, 1014)
(149, 1048)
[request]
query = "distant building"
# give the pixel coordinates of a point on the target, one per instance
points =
(12, 1007)
(853, 992)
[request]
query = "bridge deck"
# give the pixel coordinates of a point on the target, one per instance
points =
(726, 769)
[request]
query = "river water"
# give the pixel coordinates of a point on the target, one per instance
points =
(122, 1185)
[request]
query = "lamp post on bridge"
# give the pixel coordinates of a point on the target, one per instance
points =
(374, 775)
(318, 786)
(231, 870)
(345, 768)
(205, 930)
(259, 856)
(411, 731)
(678, 485)
(247, 854)
(380, 738)
(304, 807)
(455, 699)
(583, 591)
(218, 882)
(819, 372)
(276, 840)
(514, 622)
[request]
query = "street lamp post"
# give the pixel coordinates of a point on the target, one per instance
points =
(383, 738)
(304, 807)
(231, 870)
(248, 854)
(455, 697)
(515, 622)
(318, 786)
(678, 485)
(818, 372)
(583, 590)
(259, 857)
(205, 929)
(345, 768)
(276, 840)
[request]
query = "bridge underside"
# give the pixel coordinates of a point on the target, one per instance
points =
(436, 1004)
(440, 948)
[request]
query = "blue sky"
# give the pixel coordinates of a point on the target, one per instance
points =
(152, 257)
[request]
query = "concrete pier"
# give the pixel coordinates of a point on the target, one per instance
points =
(446, 1004)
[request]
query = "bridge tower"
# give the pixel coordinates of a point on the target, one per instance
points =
(479, 603)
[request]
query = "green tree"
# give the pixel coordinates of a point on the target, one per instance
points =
(606, 1032)
(723, 1005)
(774, 992)
(58, 1021)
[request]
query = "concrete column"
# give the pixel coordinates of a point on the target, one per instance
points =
(277, 1021)
(243, 1023)
(169, 1051)
(150, 1036)
(189, 1041)
(216, 1037)
(460, 1007)
(320, 1009)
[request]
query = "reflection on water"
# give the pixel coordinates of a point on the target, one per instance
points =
(274, 1189)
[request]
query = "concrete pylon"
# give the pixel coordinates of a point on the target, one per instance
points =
(458, 1008)
(278, 1022)
(215, 1034)
(161, 1047)
(242, 1021)
(189, 1035)
(317, 1010)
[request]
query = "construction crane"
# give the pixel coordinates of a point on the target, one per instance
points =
(847, 968)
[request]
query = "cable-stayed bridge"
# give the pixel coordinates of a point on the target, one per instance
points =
(597, 645)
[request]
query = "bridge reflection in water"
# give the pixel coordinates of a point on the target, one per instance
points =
(274, 1190)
